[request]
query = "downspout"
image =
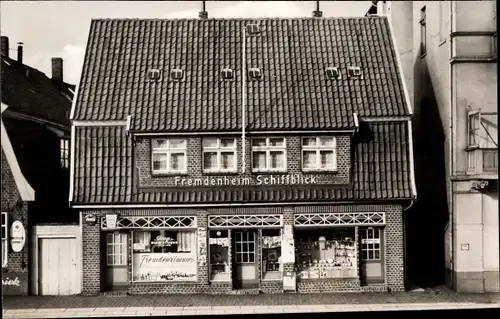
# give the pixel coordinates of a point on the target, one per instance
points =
(450, 157)
(243, 100)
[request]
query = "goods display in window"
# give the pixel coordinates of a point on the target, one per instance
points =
(323, 258)
(271, 253)
(219, 256)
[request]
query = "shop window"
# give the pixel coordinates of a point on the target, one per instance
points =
(271, 254)
(245, 247)
(370, 243)
(5, 239)
(318, 153)
(64, 148)
(219, 255)
(219, 154)
(116, 252)
(164, 255)
(326, 253)
(268, 154)
(169, 155)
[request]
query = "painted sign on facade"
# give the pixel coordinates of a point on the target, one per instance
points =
(17, 236)
(164, 267)
(14, 283)
(259, 180)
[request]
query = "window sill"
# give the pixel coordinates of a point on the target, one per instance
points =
(191, 282)
(269, 172)
(168, 174)
(220, 173)
(314, 171)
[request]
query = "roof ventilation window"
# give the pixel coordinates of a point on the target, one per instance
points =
(354, 72)
(333, 73)
(253, 28)
(154, 74)
(255, 73)
(227, 74)
(177, 75)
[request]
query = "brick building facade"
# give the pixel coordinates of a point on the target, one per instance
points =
(172, 201)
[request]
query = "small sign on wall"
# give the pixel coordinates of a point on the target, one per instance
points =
(111, 220)
(17, 236)
(464, 247)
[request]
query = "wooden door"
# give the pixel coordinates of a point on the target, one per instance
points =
(372, 255)
(245, 267)
(58, 268)
(116, 259)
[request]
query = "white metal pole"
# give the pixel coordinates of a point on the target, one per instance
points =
(243, 101)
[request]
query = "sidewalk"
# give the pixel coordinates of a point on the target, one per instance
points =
(72, 306)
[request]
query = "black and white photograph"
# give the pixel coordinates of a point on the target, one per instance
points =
(239, 158)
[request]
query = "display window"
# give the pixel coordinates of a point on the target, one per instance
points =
(272, 267)
(219, 241)
(164, 255)
(326, 253)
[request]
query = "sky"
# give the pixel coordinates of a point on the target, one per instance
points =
(60, 28)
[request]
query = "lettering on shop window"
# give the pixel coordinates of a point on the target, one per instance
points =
(145, 260)
(164, 241)
(11, 282)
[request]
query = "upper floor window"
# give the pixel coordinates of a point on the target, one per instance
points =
(169, 155)
(64, 148)
(318, 153)
(482, 129)
(5, 242)
(423, 32)
(219, 154)
(269, 154)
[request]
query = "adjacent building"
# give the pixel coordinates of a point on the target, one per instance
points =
(448, 51)
(242, 156)
(35, 174)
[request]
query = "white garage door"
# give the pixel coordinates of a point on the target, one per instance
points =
(58, 271)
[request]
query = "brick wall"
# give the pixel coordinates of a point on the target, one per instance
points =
(394, 254)
(17, 262)
(195, 170)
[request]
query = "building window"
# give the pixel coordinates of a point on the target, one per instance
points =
(64, 145)
(116, 252)
(482, 129)
(269, 154)
(328, 252)
(5, 238)
(164, 255)
(423, 32)
(169, 155)
(370, 243)
(318, 153)
(272, 268)
(219, 154)
(219, 242)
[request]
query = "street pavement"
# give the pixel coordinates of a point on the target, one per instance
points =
(439, 298)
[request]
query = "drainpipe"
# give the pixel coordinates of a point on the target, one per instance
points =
(450, 158)
(243, 100)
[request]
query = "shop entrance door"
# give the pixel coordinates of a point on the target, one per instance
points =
(372, 259)
(245, 266)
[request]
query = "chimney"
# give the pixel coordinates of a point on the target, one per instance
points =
(5, 46)
(317, 13)
(57, 69)
(203, 13)
(20, 52)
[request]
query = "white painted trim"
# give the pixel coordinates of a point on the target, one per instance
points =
(25, 190)
(100, 123)
(356, 122)
(248, 133)
(387, 119)
(42, 236)
(412, 167)
(75, 96)
(129, 119)
(114, 206)
(72, 163)
(400, 67)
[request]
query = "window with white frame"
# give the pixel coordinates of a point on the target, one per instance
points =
(219, 154)
(169, 155)
(64, 148)
(269, 154)
(5, 239)
(116, 252)
(318, 153)
(482, 129)
(370, 243)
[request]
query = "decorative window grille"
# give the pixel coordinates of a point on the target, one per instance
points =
(268, 154)
(332, 219)
(318, 153)
(245, 221)
(5, 238)
(153, 222)
(116, 249)
(219, 155)
(169, 155)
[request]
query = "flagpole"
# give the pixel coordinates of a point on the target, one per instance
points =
(243, 100)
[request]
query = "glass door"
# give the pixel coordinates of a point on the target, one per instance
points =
(244, 259)
(371, 261)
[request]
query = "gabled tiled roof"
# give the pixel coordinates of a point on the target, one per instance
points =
(292, 53)
(104, 171)
(30, 92)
